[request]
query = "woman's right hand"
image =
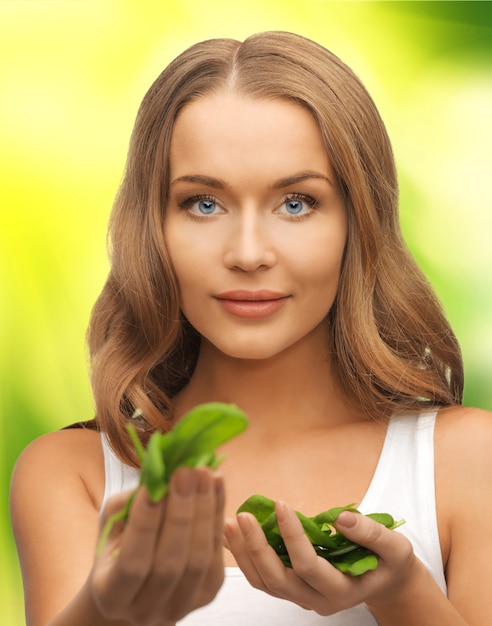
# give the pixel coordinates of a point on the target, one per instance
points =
(167, 559)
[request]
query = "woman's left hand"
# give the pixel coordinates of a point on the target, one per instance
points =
(313, 582)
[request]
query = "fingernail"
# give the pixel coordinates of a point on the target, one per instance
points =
(185, 481)
(244, 520)
(220, 497)
(228, 524)
(151, 502)
(281, 510)
(204, 483)
(219, 486)
(347, 519)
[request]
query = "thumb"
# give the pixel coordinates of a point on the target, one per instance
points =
(387, 544)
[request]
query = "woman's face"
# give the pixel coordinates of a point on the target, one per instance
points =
(255, 226)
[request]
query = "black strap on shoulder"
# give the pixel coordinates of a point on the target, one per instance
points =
(89, 425)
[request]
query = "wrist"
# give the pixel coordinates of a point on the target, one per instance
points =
(404, 589)
(418, 601)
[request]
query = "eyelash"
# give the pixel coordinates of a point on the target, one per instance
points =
(187, 203)
(309, 200)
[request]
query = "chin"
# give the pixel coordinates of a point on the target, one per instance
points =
(251, 351)
(250, 354)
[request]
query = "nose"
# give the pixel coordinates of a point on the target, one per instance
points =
(249, 246)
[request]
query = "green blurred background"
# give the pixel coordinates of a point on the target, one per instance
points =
(72, 74)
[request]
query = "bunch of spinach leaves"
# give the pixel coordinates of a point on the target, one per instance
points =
(347, 556)
(192, 443)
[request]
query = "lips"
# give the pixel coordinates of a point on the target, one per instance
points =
(251, 296)
(252, 304)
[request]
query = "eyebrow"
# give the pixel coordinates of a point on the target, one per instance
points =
(208, 181)
(217, 183)
(299, 178)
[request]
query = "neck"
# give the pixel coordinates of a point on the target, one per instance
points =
(297, 382)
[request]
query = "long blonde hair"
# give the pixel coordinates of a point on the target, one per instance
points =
(392, 346)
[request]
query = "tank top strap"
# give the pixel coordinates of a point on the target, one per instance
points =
(404, 486)
(407, 454)
(119, 477)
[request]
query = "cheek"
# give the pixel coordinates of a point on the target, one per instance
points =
(192, 268)
(188, 273)
(320, 261)
(182, 253)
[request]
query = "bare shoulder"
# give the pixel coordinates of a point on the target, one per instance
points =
(73, 456)
(463, 464)
(459, 416)
(56, 470)
(463, 439)
(56, 489)
(78, 441)
(466, 429)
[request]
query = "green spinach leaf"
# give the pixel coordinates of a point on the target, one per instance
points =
(328, 543)
(192, 443)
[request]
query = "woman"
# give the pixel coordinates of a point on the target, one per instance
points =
(257, 259)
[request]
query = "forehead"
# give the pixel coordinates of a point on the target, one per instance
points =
(228, 130)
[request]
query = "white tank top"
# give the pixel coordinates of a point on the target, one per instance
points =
(403, 485)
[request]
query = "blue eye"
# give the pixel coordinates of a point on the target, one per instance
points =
(294, 206)
(206, 206)
(298, 205)
(201, 205)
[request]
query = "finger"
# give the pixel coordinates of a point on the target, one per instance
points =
(316, 572)
(112, 514)
(174, 542)
(121, 574)
(198, 553)
(305, 562)
(206, 526)
(330, 590)
(142, 531)
(265, 567)
(216, 564)
(235, 542)
(215, 572)
(204, 571)
(113, 505)
(219, 512)
(391, 547)
(171, 547)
